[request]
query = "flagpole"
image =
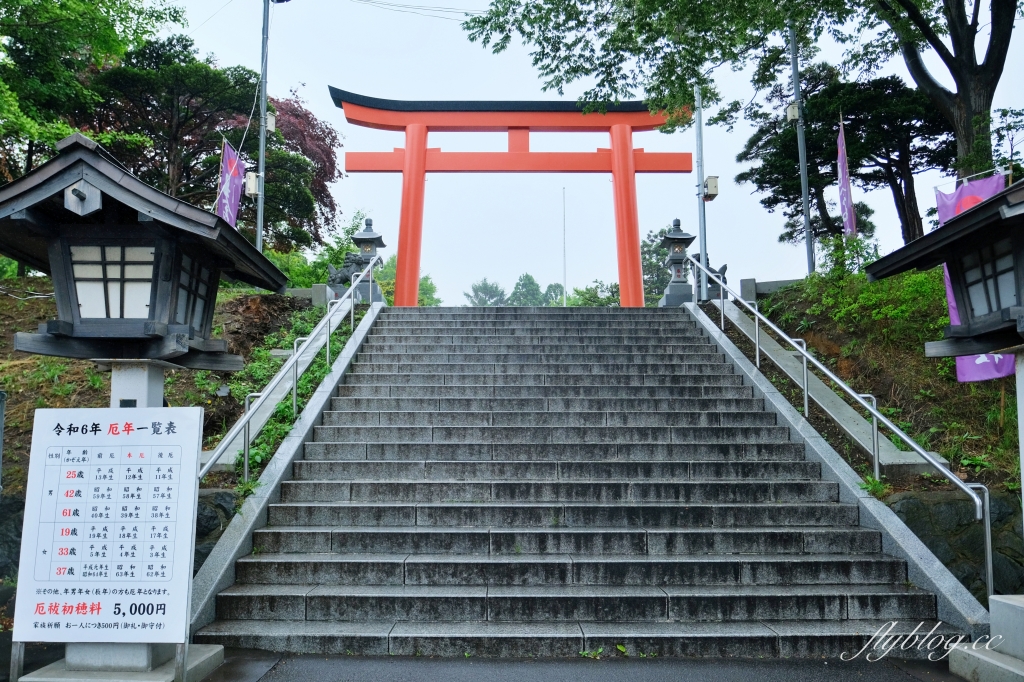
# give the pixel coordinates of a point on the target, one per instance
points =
(802, 149)
(263, 128)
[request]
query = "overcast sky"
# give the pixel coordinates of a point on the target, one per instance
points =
(502, 225)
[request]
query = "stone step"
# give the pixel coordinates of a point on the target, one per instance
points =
(534, 313)
(354, 404)
(601, 603)
(570, 358)
(433, 470)
(385, 324)
(685, 492)
(762, 639)
(383, 344)
(550, 418)
(564, 569)
(539, 337)
(548, 452)
(551, 434)
(579, 368)
(543, 379)
(729, 387)
(561, 514)
(595, 541)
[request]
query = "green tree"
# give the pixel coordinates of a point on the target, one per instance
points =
(553, 295)
(1009, 134)
(385, 276)
(597, 295)
(486, 294)
(50, 51)
(526, 292)
(652, 260)
(662, 48)
(892, 133)
(163, 92)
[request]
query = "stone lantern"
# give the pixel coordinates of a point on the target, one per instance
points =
(368, 242)
(340, 279)
(678, 291)
(135, 272)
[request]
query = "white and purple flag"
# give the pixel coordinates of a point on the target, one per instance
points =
(845, 196)
(968, 195)
(232, 178)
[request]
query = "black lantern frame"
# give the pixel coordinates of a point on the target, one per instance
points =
(135, 272)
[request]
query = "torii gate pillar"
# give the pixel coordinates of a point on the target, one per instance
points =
(417, 119)
(410, 225)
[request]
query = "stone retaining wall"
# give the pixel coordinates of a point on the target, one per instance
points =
(944, 521)
(216, 508)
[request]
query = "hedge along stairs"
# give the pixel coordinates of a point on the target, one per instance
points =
(548, 481)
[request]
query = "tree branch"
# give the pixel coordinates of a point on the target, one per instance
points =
(1003, 13)
(942, 97)
(921, 22)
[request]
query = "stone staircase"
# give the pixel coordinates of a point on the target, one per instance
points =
(547, 481)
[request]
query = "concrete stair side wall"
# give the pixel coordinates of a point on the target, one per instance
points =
(956, 605)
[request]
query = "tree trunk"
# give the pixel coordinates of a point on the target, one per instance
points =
(828, 226)
(30, 150)
(914, 227)
(893, 181)
(968, 108)
(21, 269)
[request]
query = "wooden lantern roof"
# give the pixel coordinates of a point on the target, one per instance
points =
(32, 205)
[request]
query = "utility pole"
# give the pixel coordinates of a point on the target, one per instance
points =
(565, 279)
(802, 145)
(701, 225)
(263, 127)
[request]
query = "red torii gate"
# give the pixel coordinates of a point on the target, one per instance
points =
(417, 119)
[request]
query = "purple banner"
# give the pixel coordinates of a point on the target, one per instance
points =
(232, 178)
(968, 195)
(845, 196)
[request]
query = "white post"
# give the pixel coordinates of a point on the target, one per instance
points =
(136, 383)
(802, 148)
(133, 383)
(263, 127)
(1020, 412)
(701, 225)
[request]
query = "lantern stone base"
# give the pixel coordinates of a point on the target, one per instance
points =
(676, 295)
(203, 659)
(360, 295)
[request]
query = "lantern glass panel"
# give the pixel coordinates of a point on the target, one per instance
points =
(193, 292)
(990, 278)
(113, 282)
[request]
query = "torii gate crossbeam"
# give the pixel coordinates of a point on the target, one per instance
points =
(518, 119)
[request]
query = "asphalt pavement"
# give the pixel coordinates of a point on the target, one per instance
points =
(243, 665)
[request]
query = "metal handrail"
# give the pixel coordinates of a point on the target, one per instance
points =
(981, 507)
(242, 425)
(978, 505)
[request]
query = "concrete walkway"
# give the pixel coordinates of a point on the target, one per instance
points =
(244, 665)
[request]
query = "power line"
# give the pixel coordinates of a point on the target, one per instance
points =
(210, 17)
(411, 9)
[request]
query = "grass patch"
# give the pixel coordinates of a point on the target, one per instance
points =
(262, 367)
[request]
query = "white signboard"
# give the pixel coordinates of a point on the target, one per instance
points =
(109, 535)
